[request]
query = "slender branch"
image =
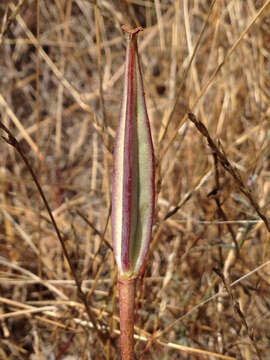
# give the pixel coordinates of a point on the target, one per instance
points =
(11, 140)
(230, 169)
(238, 311)
(215, 194)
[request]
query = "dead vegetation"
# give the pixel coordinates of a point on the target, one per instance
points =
(205, 291)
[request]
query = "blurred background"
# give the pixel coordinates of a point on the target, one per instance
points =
(61, 71)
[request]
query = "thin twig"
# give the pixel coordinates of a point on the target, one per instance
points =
(11, 140)
(214, 193)
(238, 311)
(230, 169)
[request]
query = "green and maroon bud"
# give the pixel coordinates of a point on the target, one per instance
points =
(133, 183)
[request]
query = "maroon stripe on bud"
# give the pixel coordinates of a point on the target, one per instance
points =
(128, 161)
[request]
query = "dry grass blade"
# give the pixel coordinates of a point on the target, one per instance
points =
(8, 19)
(215, 73)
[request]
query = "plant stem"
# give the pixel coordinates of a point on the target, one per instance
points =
(127, 305)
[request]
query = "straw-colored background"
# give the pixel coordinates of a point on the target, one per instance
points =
(61, 71)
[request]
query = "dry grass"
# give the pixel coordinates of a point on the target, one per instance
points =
(61, 68)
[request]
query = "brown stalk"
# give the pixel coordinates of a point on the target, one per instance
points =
(127, 304)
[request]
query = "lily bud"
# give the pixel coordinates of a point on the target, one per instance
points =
(133, 183)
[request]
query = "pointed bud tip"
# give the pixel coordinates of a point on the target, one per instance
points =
(130, 31)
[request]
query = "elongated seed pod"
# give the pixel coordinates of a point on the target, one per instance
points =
(133, 180)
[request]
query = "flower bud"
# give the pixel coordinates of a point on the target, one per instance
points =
(133, 182)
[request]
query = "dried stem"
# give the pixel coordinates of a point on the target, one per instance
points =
(11, 140)
(230, 169)
(238, 311)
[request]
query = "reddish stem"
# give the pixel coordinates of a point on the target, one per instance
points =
(127, 306)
